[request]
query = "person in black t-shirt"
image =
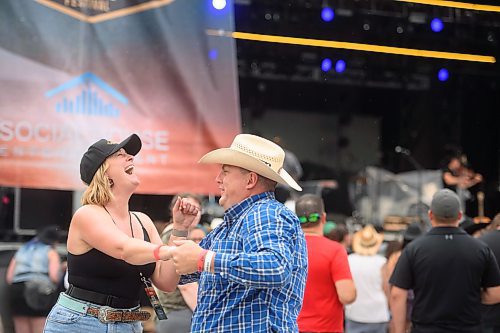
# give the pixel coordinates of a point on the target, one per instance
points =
(450, 272)
(491, 313)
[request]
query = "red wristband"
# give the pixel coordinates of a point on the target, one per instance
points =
(201, 260)
(156, 252)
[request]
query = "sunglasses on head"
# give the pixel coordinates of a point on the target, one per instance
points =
(314, 217)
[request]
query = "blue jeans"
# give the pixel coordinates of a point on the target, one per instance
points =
(64, 320)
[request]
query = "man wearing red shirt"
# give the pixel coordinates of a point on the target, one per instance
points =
(329, 283)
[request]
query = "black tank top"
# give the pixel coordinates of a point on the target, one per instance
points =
(96, 271)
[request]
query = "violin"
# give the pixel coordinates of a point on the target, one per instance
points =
(468, 177)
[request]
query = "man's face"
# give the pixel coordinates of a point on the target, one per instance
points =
(455, 164)
(232, 183)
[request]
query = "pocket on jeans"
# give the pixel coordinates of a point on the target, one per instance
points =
(62, 315)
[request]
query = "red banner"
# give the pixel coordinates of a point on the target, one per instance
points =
(69, 80)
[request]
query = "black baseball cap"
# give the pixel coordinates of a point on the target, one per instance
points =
(95, 156)
(412, 232)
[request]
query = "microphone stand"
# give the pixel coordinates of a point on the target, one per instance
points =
(419, 169)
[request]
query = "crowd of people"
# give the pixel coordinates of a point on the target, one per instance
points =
(263, 268)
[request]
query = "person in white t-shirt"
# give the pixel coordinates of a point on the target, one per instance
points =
(370, 312)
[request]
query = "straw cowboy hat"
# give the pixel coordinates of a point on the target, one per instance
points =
(256, 154)
(367, 241)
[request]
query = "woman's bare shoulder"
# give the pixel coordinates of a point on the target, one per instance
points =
(89, 209)
(145, 219)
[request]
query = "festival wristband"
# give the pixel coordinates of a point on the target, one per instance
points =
(179, 233)
(201, 260)
(156, 252)
(208, 261)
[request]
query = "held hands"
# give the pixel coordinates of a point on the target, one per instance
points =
(186, 214)
(185, 256)
(165, 252)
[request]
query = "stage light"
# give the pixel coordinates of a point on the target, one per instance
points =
(212, 54)
(443, 74)
(340, 66)
(327, 14)
(437, 24)
(219, 4)
(326, 65)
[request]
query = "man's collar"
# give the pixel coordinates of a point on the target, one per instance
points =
(236, 210)
(446, 230)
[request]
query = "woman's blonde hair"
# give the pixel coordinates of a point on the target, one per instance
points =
(99, 190)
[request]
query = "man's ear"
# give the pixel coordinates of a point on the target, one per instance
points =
(323, 218)
(252, 180)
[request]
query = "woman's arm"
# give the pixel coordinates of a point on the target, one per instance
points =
(54, 266)
(10, 271)
(190, 294)
(164, 276)
(91, 227)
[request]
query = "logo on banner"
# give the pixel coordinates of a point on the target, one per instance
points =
(87, 94)
(95, 11)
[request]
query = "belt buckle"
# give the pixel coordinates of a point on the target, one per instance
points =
(103, 314)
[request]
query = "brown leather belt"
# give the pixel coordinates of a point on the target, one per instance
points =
(106, 314)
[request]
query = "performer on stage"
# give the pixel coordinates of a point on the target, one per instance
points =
(459, 177)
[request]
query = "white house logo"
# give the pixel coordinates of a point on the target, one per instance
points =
(94, 97)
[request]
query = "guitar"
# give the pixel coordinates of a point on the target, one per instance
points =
(480, 210)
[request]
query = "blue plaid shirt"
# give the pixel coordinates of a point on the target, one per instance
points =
(260, 270)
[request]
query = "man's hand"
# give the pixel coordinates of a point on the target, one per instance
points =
(186, 214)
(185, 256)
